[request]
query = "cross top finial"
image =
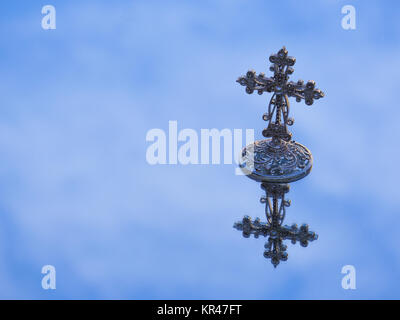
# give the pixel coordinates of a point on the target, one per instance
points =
(278, 108)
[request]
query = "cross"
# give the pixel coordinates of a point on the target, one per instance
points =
(275, 213)
(282, 89)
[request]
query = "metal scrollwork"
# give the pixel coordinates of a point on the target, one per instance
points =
(277, 160)
(282, 88)
(275, 205)
(285, 162)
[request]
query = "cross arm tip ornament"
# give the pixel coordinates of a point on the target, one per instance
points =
(254, 82)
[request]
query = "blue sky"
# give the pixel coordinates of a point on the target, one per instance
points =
(76, 191)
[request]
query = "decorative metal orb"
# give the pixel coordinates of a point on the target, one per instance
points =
(276, 162)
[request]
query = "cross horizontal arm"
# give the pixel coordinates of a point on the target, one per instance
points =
(259, 82)
(302, 234)
(300, 91)
(293, 233)
(256, 228)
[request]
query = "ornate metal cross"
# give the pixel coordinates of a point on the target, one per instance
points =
(277, 160)
(275, 213)
(278, 84)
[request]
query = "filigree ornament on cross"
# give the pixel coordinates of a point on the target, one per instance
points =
(277, 160)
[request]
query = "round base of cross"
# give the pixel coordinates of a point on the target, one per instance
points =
(271, 161)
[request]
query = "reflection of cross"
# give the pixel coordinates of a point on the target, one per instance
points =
(275, 249)
(282, 89)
